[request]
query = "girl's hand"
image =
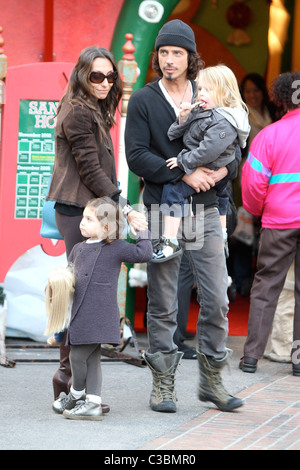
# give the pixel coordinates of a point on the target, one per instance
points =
(137, 221)
(172, 162)
(184, 111)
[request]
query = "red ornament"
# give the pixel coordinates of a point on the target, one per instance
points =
(239, 15)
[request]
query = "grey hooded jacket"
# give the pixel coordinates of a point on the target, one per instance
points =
(210, 137)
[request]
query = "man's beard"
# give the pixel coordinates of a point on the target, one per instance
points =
(170, 78)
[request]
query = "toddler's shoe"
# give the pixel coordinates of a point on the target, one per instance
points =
(168, 250)
(65, 402)
(85, 410)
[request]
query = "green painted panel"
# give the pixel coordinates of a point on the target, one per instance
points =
(254, 56)
(144, 32)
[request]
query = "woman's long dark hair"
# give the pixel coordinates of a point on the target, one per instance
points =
(260, 83)
(80, 90)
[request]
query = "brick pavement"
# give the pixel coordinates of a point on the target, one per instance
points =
(269, 419)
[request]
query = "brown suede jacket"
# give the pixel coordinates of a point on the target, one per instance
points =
(84, 167)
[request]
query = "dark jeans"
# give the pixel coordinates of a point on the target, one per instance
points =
(176, 196)
(59, 337)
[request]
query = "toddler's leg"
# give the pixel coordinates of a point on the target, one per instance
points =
(86, 368)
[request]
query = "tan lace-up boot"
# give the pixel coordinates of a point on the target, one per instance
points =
(211, 387)
(163, 368)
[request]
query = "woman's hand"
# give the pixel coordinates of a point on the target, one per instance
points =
(137, 221)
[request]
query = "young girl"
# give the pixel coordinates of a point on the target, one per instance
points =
(211, 129)
(95, 317)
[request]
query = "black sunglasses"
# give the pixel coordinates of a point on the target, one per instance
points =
(99, 77)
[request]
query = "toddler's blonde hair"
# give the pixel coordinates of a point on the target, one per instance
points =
(58, 298)
(222, 85)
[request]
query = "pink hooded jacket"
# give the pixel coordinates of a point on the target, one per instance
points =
(271, 174)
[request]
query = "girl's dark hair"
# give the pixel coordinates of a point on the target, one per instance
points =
(195, 63)
(110, 217)
(80, 90)
(285, 91)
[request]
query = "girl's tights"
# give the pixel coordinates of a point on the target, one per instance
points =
(85, 360)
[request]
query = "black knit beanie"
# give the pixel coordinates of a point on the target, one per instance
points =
(176, 33)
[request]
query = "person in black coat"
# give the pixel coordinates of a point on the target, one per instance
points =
(150, 113)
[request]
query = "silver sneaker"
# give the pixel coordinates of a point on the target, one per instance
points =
(86, 410)
(65, 402)
(167, 251)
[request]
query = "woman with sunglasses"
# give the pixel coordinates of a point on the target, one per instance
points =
(84, 166)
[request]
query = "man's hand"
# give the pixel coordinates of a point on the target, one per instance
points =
(203, 178)
(200, 179)
(218, 175)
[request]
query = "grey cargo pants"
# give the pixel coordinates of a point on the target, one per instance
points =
(207, 260)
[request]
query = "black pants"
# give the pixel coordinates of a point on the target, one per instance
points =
(69, 228)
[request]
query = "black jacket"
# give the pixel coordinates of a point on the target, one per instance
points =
(149, 116)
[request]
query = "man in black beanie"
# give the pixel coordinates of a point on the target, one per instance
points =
(150, 113)
(176, 33)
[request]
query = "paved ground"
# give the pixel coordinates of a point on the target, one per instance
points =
(269, 419)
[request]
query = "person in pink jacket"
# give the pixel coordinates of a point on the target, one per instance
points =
(271, 190)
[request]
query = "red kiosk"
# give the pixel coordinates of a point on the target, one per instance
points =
(32, 93)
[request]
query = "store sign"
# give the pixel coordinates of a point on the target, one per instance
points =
(36, 150)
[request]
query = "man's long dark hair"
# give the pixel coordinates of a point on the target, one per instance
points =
(80, 90)
(195, 63)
